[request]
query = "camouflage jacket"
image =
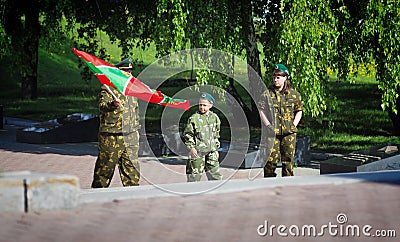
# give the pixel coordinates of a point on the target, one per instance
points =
(285, 108)
(202, 132)
(112, 118)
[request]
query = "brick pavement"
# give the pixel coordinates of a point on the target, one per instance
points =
(78, 159)
(208, 217)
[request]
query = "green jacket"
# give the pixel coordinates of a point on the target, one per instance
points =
(285, 108)
(113, 118)
(202, 132)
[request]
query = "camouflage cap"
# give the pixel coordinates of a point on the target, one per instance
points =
(125, 64)
(281, 68)
(207, 96)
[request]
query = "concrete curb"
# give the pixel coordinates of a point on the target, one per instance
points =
(236, 185)
(25, 192)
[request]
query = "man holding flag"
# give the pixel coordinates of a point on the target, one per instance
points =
(112, 148)
(118, 98)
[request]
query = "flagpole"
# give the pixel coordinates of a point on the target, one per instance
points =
(111, 92)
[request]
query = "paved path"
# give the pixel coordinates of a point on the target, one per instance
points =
(233, 216)
(239, 216)
(78, 159)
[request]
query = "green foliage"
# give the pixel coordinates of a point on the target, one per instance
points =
(183, 24)
(304, 39)
(171, 23)
(383, 31)
(128, 24)
(308, 36)
(4, 43)
(313, 37)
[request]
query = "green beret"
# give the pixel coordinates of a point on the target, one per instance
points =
(281, 68)
(207, 96)
(125, 64)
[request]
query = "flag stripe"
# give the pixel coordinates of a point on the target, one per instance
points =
(91, 59)
(104, 80)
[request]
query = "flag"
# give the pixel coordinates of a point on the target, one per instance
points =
(127, 84)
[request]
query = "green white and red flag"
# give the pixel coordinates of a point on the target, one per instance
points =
(127, 84)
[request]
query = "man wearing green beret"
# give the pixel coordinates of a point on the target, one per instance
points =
(201, 137)
(114, 147)
(288, 110)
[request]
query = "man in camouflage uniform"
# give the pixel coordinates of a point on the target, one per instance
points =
(117, 111)
(288, 112)
(201, 137)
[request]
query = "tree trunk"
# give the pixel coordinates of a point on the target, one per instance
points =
(380, 74)
(253, 60)
(396, 117)
(31, 49)
(238, 102)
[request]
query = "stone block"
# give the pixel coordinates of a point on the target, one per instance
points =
(362, 158)
(391, 163)
(168, 143)
(28, 192)
(12, 189)
(338, 165)
(72, 128)
(303, 154)
(152, 144)
(48, 192)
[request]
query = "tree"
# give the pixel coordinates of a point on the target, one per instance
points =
(129, 24)
(223, 25)
(252, 55)
(312, 36)
(21, 25)
(24, 22)
(309, 36)
(383, 34)
(369, 33)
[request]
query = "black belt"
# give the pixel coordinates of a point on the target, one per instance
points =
(111, 134)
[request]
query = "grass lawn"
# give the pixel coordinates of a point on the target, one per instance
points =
(358, 122)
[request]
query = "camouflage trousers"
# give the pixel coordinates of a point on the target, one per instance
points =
(208, 163)
(113, 151)
(283, 150)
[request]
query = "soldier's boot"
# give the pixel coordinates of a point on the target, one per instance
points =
(214, 174)
(100, 181)
(129, 171)
(194, 169)
(103, 174)
(131, 178)
(193, 177)
(212, 167)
